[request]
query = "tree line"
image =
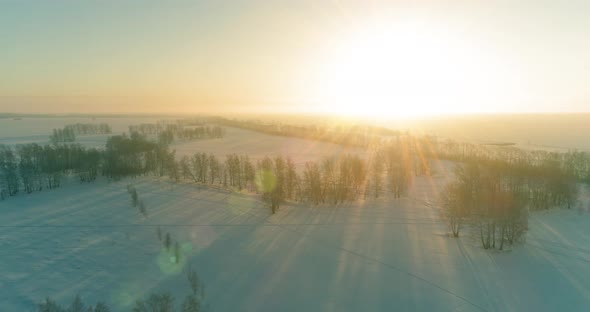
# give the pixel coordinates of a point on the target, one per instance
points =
(69, 132)
(180, 130)
(135, 155)
(332, 180)
(89, 128)
(572, 163)
(496, 196)
(550, 178)
(155, 302)
(65, 135)
(33, 167)
(352, 136)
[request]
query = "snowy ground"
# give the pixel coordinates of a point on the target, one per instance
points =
(373, 255)
(242, 142)
(380, 254)
(258, 145)
(38, 129)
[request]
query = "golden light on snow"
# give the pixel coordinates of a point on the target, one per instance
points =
(238, 205)
(202, 237)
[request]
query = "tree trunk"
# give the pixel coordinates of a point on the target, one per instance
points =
(494, 235)
(502, 237)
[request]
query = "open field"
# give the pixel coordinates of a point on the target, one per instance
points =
(289, 156)
(258, 145)
(254, 144)
(558, 132)
(38, 129)
(371, 255)
(374, 254)
(243, 142)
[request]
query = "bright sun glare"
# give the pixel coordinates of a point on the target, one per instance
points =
(404, 70)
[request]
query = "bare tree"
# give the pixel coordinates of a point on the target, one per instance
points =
(455, 202)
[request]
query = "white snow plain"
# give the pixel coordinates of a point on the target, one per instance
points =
(375, 255)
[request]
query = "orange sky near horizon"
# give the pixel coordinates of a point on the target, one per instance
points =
(379, 58)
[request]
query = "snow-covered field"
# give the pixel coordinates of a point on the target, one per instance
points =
(242, 142)
(38, 129)
(380, 254)
(374, 255)
(258, 145)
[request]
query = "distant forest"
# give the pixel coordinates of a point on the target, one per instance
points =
(358, 136)
(69, 132)
(187, 130)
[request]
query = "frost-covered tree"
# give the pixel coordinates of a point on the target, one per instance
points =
(77, 305)
(377, 173)
(167, 241)
(248, 172)
(49, 306)
(328, 174)
(9, 181)
(214, 169)
(100, 307)
(142, 209)
(193, 280)
(485, 194)
(455, 201)
(155, 303)
(176, 252)
(312, 183)
(191, 304)
(291, 179)
(134, 197)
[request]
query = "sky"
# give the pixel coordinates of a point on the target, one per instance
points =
(384, 57)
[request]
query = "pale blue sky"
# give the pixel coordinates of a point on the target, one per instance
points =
(76, 56)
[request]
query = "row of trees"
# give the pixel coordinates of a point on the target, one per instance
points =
(550, 179)
(557, 168)
(169, 132)
(274, 178)
(89, 128)
(33, 167)
(331, 180)
(277, 178)
(136, 202)
(62, 136)
(69, 132)
(174, 132)
(357, 136)
(496, 196)
(135, 155)
(148, 128)
(571, 163)
(77, 305)
(156, 302)
(168, 243)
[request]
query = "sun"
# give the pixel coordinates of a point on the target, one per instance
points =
(401, 70)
